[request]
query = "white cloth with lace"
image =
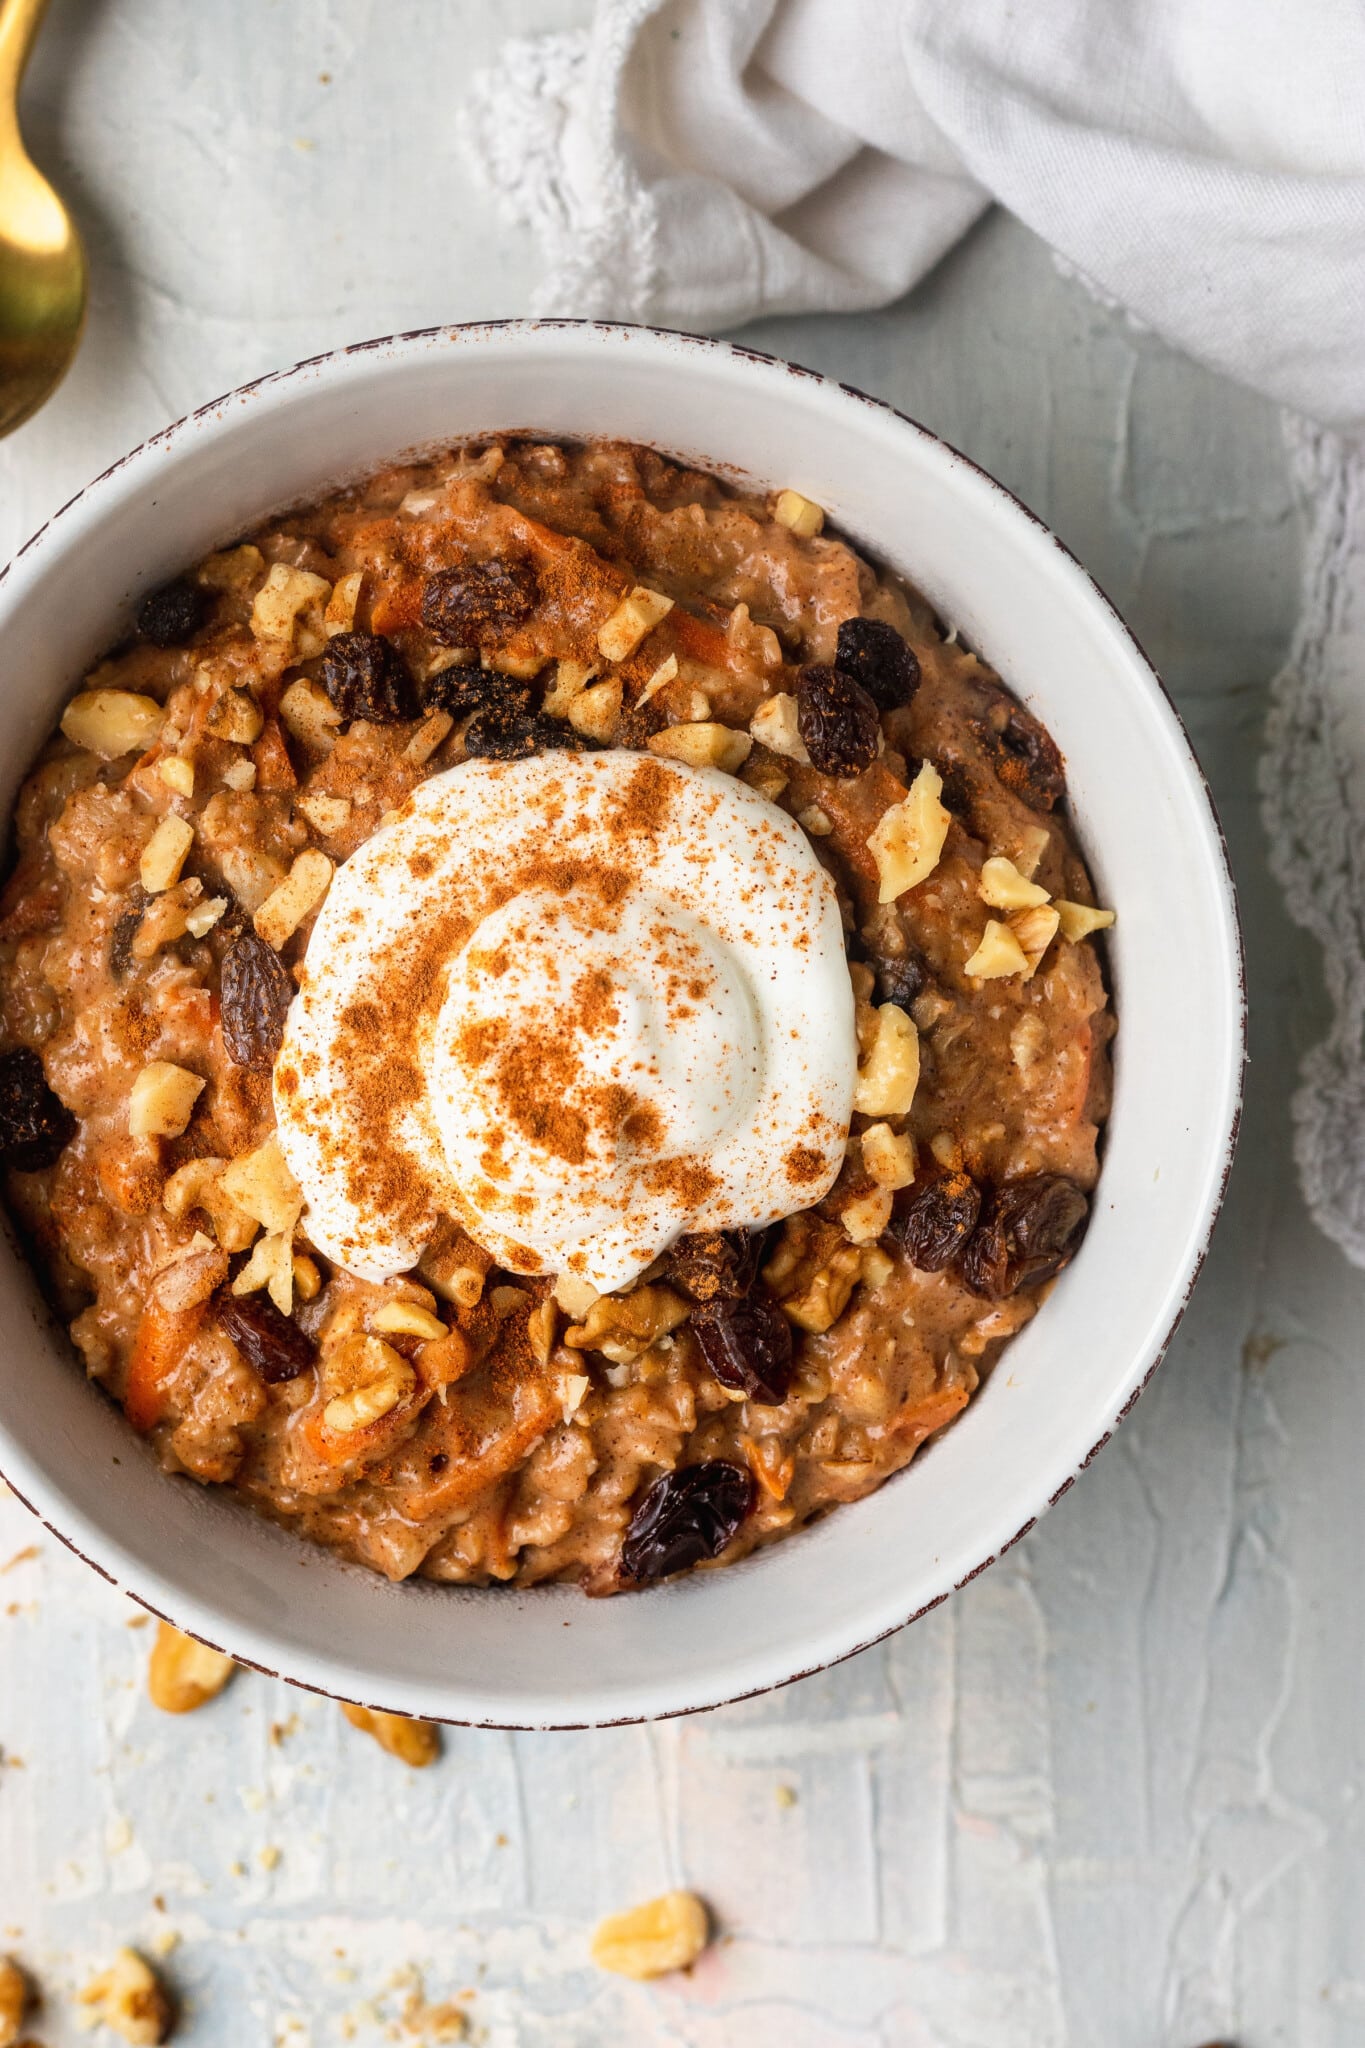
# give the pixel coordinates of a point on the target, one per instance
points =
(698, 163)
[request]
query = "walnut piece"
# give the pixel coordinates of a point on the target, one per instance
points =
(909, 838)
(287, 611)
(774, 726)
(595, 710)
(633, 620)
(667, 1933)
(309, 715)
(802, 516)
(1078, 920)
(888, 1075)
(162, 1100)
(198, 1185)
(703, 745)
(291, 900)
(889, 1156)
(128, 1999)
(623, 1326)
(14, 2001)
(1035, 929)
(164, 854)
(363, 1379)
(261, 1183)
(1004, 888)
(113, 722)
(998, 954)
(184, 1674)
(417, 1743)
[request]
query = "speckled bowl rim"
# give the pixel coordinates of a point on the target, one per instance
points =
(106, 1556)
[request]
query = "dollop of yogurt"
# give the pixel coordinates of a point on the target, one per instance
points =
(580, 1004)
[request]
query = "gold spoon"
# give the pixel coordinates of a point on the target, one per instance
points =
(42, 263)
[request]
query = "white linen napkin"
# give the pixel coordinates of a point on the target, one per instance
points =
(697, 163)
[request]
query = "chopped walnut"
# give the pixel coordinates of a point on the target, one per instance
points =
(164, 854)
(198, 1185)
(128, 1999)
(407, 1319)
(184, 1674)
(261, 1183)
(571, 679)
(999, 954)
(113, 722)
(1035, 929)
(774, 726)
(162, 1100)
(14, 2001)
(667, 1933)
(802, 516)
(309, 715)
(1004, 888)
(909, 838)
(270, 1266)
(339, 617)
(235, 570)
(633, 621)
(622, 1326)
(704, 745)
(596, 710)
(888, 1075)
(889, 1156)
(287, 611)
(191, 1275)
(1078, 920)
(417, 1743)
(327, 814)
(300, 893)
(177, 772)
(236, 717)
(866, 1217)
(363, 1379)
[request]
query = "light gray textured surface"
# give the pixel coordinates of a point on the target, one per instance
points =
(1110, 1794)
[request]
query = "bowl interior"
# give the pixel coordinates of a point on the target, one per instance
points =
(550, 1657)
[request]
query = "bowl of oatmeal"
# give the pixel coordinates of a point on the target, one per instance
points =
(616, 979)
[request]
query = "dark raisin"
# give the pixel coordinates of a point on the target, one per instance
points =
(901, 977)
(685, 1517)
(257, 989)
(716, 1265)
(272, 1345)
(1026, 757)
(509, 732)
(747, 1344)
(837, 721)
(465, 607)
(933, 1221)
(1028, 1231)
(462, 690)
(121, 941)
(35, 1127)
(366, 677)
(875, 655)
(171, 614)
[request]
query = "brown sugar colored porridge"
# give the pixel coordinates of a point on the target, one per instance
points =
(551, 1025)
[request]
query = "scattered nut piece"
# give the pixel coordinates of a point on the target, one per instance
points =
(260, 1182)
(774, 726)
(1004, 888)
(1078, 920)
(287, 611)
(802, 515)
(947, 1151)
(633, 620)
(128, 1999)
(164, 854)
(417, 1743)
(270, 1266)
(191, 1274)
(594, 711)
(815, 821)
(166, 917)
(301, 891)
(184, 1674)
(703, 746)
(622, 1326)
(666, 1934)
(234, 570)
(889, 1074)
(571, 679)
(363, 1379)
(909, 839)
(764, 776)
(309, 715)
(663, 675)
(573, 1389)
(407, 1319)
(237, 717)
(865, 1218)
(889, 1156)
(523, 668)
(177, 772)
(876, 1267)
(339, 616)
(162, 1100)
(198, 1185)
(998, 954)
(574, 1296)
(113, 722)
(14, 2001)
(1034, 841)
(541, 1325)
(240, 775)
(1035, 930)
(428, 737)
(826, 1297)
(325, 814)
(205, 915)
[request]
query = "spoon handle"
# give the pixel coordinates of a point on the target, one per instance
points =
(19, 21)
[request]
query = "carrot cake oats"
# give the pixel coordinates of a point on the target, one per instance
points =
(551, 1027)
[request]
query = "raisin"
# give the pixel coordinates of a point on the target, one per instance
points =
(35, 1126)
(747, 1344)
(272, 1345)
(366, 677)
(462, 690)
(509, 732)
(465, 607)
(121, 941)
(171, 614)
(901, 977)
(716, 1265)
(1026, 757)
(932, 1222)
(875, 655)
(837, 721)
(257, 989)
(685, 1517)
(1028, 1231)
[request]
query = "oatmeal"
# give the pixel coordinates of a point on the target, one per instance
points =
(551, 1020)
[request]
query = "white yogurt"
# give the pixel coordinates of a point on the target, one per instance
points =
(580, 1003)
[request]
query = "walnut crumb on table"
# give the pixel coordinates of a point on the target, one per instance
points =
(416, 1743)
(663, 1935)
(15, 1999)
(128, 1998)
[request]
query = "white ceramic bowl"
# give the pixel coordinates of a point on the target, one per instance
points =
(549, 1657)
